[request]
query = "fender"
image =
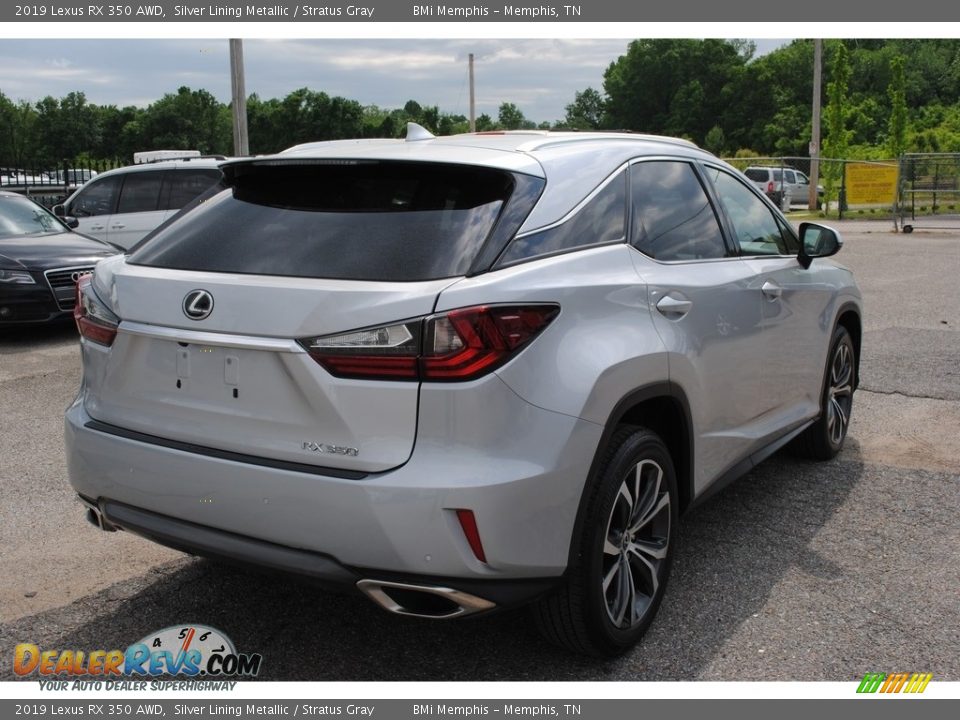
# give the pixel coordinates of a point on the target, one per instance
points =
(684, 466)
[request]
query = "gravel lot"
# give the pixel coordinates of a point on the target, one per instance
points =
(798, 571)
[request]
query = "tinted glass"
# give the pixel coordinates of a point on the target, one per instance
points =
(757, 174)
(141, 192)
(601, 220)
(98, 197)
(359, 221)
(182, 186)
(19, 216)
(788, 174)
(672, 217)
(757, 230)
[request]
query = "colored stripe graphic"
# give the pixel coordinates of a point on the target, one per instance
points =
(913, 683)
(871, 682)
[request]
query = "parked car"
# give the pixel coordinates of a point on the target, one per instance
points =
(22, 178)
(72, 177)
(122, 206)
(463, 373)
(784, 186)
(40, 262)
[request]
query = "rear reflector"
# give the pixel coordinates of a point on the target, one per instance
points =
(455, 346)
(469, 524)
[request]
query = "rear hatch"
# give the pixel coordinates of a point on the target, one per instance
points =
(288, 251)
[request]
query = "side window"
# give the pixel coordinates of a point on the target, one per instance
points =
(99, 197)
(672, 217)
(791, 178)
(601, 220)
(140, 193)
(182, 186)
(757, 229)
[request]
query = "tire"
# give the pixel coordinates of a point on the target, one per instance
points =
(614, 588)
(824, 439)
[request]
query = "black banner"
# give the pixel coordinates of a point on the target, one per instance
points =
(322, 11)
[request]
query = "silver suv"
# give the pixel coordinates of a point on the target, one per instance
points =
(463, 373)
(785, 186)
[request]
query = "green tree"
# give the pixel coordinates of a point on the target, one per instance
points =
(510, 117)
(187, 120)
(586, 112)
(715, 140)
(65, 128)
(674, 86)
(17, 126)
(897, 93)
(836, 140)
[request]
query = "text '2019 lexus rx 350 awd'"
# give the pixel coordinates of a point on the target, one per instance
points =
(460, 373)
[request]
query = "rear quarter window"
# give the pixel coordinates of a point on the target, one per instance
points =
(602, 219)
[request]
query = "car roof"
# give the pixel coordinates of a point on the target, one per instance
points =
(201, 162)
(573, 164)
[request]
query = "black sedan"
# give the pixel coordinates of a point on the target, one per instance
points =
(40, 261)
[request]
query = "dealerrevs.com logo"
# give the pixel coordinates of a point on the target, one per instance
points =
(190, 650)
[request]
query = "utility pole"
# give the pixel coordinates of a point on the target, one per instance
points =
(473, 102)
(815, 141)
(241, 144)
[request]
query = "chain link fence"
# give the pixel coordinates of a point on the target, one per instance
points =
(929, 191)
(845, 188)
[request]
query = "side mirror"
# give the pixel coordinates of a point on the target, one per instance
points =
(71, 222)
(817, 241)
(59, 211)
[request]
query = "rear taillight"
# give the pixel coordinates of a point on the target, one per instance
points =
(770, 187)
(454, 346)
(94, 319)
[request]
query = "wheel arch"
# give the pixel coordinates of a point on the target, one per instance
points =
(664, 409)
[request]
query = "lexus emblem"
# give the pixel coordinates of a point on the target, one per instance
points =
(198, 304)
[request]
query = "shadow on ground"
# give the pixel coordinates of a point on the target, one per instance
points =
(731, 553)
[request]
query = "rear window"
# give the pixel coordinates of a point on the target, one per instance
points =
(350, 220)
(757, 174)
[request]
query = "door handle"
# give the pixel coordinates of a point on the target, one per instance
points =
(771, 290)
(118, 226)
(672, 306)
(97, 227)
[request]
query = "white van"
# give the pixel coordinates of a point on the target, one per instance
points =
(121, 206)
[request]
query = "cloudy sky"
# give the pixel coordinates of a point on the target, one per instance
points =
(540, 76)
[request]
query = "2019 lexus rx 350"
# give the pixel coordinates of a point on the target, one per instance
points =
(460, 373)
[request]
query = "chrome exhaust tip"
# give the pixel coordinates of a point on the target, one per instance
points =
(94, 515)
(423, 601)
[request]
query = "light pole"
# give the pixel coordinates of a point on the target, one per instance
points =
(815, 141)
(241, 144)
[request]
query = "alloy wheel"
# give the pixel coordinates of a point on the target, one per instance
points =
(840, 393)
(636, 544)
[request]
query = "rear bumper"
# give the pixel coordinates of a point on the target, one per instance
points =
(522, 476)
(485, 594)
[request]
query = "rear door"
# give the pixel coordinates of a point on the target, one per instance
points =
(703, 308)
(184, 184)
(138, 210)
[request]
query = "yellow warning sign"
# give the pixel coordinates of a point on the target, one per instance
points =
(871, 184)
